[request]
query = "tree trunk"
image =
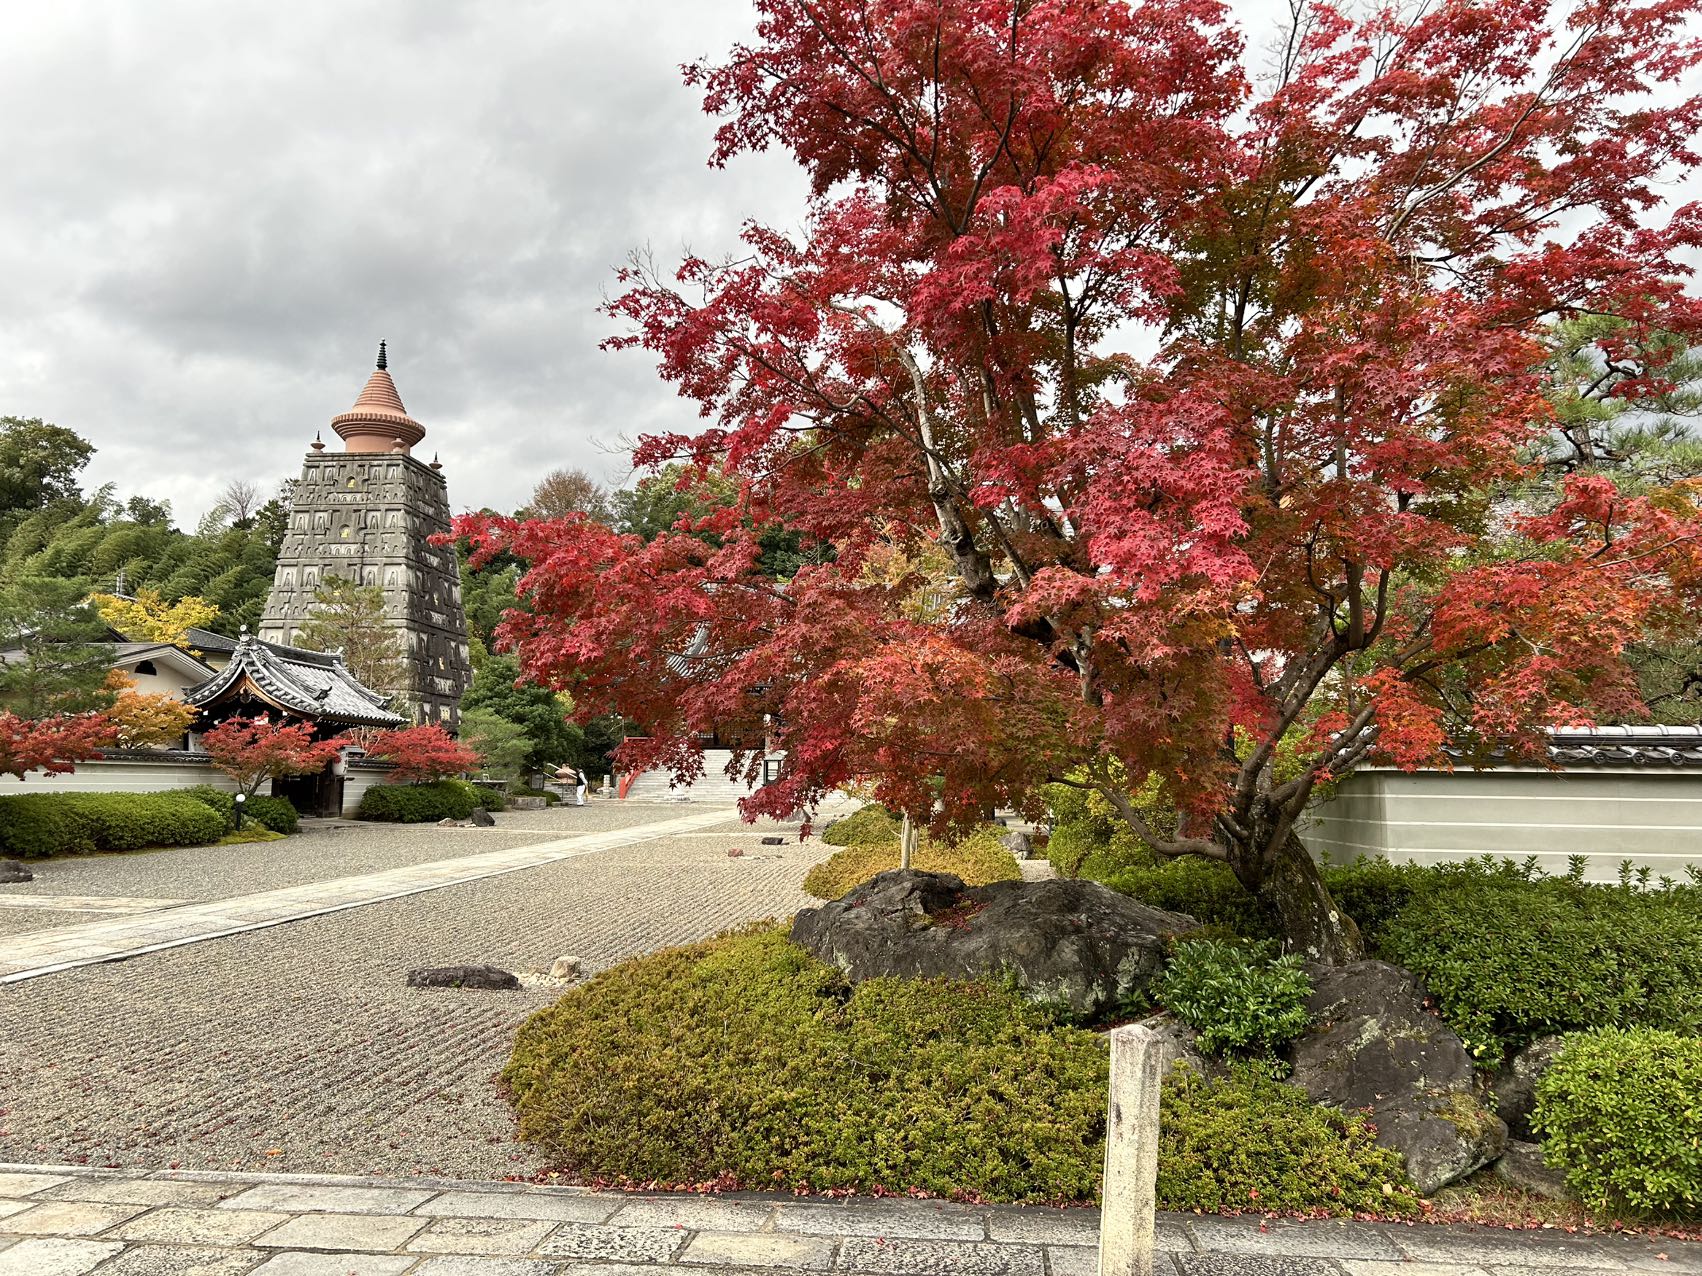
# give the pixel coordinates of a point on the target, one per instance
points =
(1285, 879)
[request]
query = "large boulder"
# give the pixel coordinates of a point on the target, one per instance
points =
(1374, 1045)
(1067, 943)
(462, 977)
(14, 871)
(1516, 1085)
(1522, 1166)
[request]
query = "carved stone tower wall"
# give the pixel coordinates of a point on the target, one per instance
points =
(367, 515)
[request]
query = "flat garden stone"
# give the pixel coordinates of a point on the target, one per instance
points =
(1310, 1239)
(1039, 1226)
(904, 1256)
(302, 1198)
(68, 1218)
(336, 1265)
(175, 1260)
(9, 1208)
(1252, 1265)
(883, 1218)
(480, 1236)
(41, 1257)
(556, 1207)
(459, 1266)
(694, 1212)
(760, 1249)
(615, 1244)
(1376, 1267)
(29, 1184)
(342, 1231)
(201, 1227)
(140, 1192)
(1075, 1260)
(491, 977)
(1496, 1249)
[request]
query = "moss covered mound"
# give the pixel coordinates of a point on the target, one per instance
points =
(745, 1063)
(978, 859)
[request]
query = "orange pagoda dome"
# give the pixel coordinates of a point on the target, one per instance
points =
(378, 422)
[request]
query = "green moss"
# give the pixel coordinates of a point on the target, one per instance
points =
(978, 859)
(871, 823)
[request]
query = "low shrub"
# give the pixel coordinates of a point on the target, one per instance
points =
(274, 813)
(489, 798)
(978, 859)
(1619, 1111)
(1240, 998)
(1205, 890)
(1247, 1142)
(418, 803)
(869, 823)
(221, 800)
(35, 825)
(251, 832)
(745, 1061)
(1511, 955)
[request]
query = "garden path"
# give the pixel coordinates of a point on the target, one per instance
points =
(58, 1222)
(172, 924)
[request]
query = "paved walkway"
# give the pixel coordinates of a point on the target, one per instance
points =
(145, 926)
(59, 1222)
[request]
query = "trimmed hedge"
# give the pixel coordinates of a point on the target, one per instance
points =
(1620, 1112)
(978, 859)
(36, 825)
(221, 801)
(744, 1062)
(1248, 1142)
(1511, 955)
(490, 799)
(870, 823)
(420, 803)
(274, 813)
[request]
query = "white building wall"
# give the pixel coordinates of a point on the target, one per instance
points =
(1651, 817)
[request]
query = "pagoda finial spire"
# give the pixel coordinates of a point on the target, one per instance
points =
(383, 359)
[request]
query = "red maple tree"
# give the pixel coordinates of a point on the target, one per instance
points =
(254, 750)
(421, 754)
(54, 745)
(1204, 389)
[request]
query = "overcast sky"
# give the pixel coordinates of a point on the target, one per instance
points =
(211, 212)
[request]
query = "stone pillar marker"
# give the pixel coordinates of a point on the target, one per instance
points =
(1127, 1219)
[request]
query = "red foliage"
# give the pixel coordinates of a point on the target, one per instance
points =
(254, 750)
(422, 753)
(54, 745)
(1272, 524)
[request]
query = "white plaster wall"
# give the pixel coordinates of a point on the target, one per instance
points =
(358, 781)
(123, 775)
(1652, 818)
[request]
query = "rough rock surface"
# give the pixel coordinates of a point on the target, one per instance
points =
(481, 817)
(1018, 844)
(565, 968)
(1373, 1045)
(1522, 1166)
(14, 871)
(1068, 943)
(1516, 1085)
(462, 977)
(1178, 1045)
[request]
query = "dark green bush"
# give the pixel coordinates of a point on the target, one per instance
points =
(418, 803)
(746, 1061)
(1621, 1112)
(487, 797)
(274, 813)
(221, 801)
(870, 823)
(1247, 1142)
(33, 825)
(978, 859)
(1240, 998)
(1204, 889)
(1511, 955)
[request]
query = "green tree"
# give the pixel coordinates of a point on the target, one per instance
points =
(502, 745)
(349, 618)
(551, 738)
(39, 463)
(52, 653)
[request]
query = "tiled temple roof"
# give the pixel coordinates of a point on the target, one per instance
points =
(1635, 746)
(308, 684)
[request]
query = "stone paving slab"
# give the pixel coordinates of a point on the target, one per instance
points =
(43, 952)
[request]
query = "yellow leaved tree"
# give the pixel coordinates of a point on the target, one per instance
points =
(149, 618)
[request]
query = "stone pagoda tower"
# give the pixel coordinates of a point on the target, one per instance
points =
(366, 514)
